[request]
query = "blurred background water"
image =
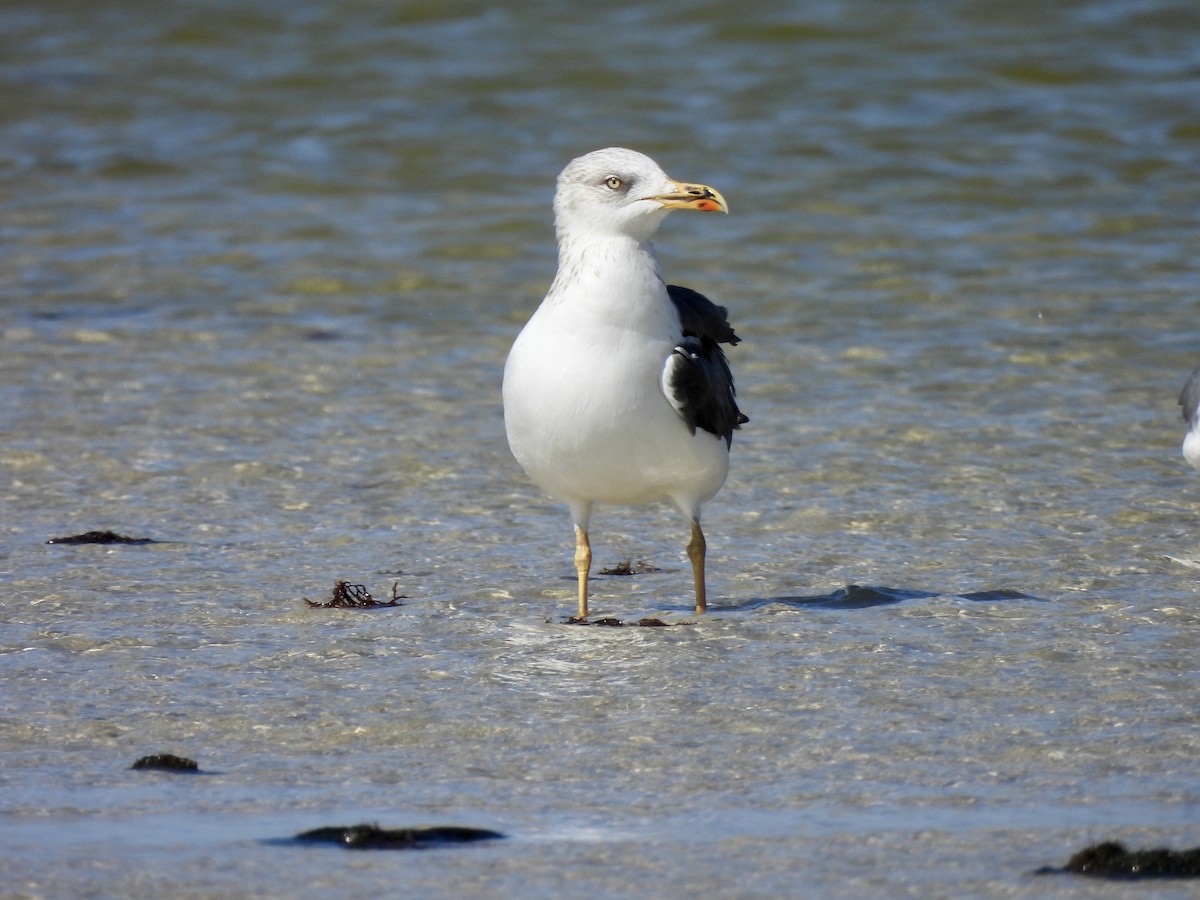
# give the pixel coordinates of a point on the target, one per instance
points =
(260, 267)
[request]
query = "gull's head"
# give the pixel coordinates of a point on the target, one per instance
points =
(618, 192)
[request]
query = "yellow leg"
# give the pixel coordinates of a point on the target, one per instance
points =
(583, 565)
(695, 552)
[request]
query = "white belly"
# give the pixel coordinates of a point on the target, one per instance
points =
(587, 419)
(1191, 448)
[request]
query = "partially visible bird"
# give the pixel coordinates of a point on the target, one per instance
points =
(1189, 401)
(617, 390)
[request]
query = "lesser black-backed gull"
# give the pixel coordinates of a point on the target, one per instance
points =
(617, 390)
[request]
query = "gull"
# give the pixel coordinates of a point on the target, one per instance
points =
(617, 390)
(1189, 401)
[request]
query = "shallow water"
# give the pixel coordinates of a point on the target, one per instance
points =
(261, 265)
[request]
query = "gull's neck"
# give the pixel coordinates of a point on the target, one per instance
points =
(613, 270)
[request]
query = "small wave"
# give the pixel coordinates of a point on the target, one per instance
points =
(857, 596)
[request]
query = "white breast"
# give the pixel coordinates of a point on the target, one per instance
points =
(584, 408)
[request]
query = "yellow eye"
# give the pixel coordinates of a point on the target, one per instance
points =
(614, 183)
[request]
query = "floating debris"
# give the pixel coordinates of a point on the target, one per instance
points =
(1111, 860)
(100, 537)
(355, 596)
(628, 567)
(611, 622)
(167, 762)
(372, 837)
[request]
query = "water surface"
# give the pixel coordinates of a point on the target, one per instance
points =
(260, 268)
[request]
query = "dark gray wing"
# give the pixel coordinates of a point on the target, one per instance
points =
(1189, 397)
(696, 377)
(701, 317)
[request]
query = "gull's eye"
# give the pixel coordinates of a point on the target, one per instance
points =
(613, 183)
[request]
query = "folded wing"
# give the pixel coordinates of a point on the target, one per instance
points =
(696, 378)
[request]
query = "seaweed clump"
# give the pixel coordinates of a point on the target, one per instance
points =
(355, 596)
(1112, 860)
(613, 622)
(629, 567)
(372, 837)
(100, 537)
(167, 762)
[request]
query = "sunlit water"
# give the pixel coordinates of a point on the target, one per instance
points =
(261, 265)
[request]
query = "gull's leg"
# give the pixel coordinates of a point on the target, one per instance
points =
(695, 552)
(581, 514)
(583, 565)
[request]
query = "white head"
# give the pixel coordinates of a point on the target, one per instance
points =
(618, 192)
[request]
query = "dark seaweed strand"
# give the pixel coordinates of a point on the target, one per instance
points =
(100, 537)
